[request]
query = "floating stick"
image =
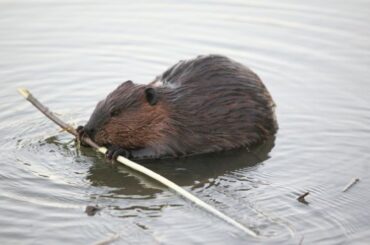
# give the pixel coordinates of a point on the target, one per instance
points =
(350, 184)
(187, 195)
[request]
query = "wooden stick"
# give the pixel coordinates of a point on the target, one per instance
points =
(350, 184)
(187, 195)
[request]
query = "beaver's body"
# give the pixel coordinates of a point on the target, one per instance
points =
(203, 105)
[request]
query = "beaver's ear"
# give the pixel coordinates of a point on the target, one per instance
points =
(151, 96)
(125, 85)
(129, 82)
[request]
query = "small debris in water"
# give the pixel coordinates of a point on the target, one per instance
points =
(350, 184)
(142, 226)
(92, 210)
(301, 198)
(109, 240)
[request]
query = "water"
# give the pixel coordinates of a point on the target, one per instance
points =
(313, 56)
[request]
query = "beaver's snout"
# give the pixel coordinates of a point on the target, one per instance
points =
(89, 131)
(85, 131)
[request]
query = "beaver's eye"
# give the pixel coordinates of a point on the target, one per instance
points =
(151, 96)
(114, 113)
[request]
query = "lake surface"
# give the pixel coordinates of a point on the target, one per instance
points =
(313, 56)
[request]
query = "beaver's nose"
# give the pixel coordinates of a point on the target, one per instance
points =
(90, 132)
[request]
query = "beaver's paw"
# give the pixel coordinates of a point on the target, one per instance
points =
(115, 151)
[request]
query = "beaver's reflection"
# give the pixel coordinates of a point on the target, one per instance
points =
(184, 172)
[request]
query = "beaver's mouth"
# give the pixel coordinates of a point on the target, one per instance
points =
(85, 131)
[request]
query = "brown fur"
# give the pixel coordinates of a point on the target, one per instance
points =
(140, 127)
(203, 105)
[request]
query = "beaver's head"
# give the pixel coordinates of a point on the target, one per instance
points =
(131, 116)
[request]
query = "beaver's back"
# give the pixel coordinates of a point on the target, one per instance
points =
(215, 104)
(211, 68)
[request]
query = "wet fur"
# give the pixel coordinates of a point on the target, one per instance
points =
(203, 105)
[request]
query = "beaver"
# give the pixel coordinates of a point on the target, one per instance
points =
(207, 104)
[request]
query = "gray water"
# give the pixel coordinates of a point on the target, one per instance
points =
(314, 57)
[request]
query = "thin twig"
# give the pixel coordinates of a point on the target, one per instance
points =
(350, 184)
(187, 195)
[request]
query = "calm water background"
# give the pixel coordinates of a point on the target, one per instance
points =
(314, 57)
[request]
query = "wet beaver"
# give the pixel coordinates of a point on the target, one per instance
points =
(207, 104)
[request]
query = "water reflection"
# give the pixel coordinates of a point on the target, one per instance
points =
(193, 171)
